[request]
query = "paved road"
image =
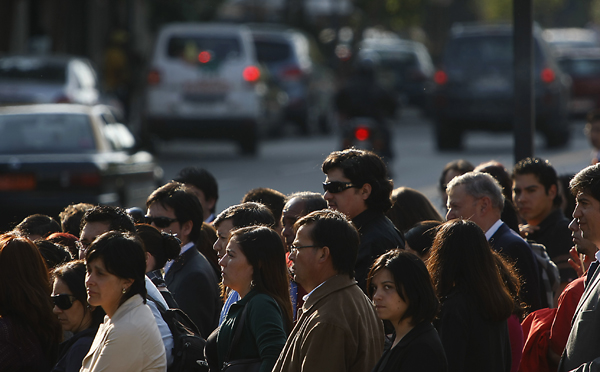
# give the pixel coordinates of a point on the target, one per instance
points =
(292, 163)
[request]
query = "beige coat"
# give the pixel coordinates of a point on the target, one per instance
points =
(338, 330)
(127, 342)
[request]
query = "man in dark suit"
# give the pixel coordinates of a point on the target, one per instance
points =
(478, 197)
(582, 352)
(190, 277)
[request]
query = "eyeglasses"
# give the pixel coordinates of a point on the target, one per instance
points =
(160, 222)
(295, 249)
(63, 301)
(337, 186)
(81, 246)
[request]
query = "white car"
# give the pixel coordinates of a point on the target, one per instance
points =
(205, 82)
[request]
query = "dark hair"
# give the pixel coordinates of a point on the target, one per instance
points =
(413, 284)
(543, 171)
(37, 224)
(73, 275)
(420, 237)
(70, 218)
(123, 256)
(160, 245)
(500, 173)
(587, 181)
(54, 254)
(568, 198)
(313, 201)
(480, 185)
(203, 180)
(360, 167)
(410, 207)
(273, 199)
(512, 280)
(460, 166)
(117, 218)
(334, 230)
(67, 240)
(185, 205)
(264, 250)
(246, 214)
(205, 243)
(25, 293)
(461, 257)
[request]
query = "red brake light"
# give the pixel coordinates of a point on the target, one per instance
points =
(251, 74)
(204, 57)
(293, 73)
(85, 179)
(548, 75)
(440, 77)
(362, 133)
(153, 77)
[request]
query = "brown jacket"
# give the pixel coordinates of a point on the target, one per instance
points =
(337, 330)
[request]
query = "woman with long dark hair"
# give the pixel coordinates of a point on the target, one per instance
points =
(401, 290)
(254, 265)
(29, 332)
(475, 301)
(75, 315)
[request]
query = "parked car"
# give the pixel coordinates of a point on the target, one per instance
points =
(56, 154)
(296, 64)
(475, 86)
(47, 79)
(583, 66)
(565, 38)
(403, 66)
(205, 82)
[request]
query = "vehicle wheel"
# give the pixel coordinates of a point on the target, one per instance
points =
(447, 137)
(249, 143)
(557, 138)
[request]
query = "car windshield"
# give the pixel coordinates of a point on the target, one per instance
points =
(190, 47)
(581, 66)
(48, 133)
(32, 69)
(272, 51)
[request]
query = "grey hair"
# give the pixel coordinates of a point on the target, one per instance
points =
(478, 185)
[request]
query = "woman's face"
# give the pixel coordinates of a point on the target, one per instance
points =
(235, 269)
(387, 301)
(77, 317)
(103, 288)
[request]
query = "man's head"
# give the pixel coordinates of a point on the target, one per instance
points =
(173, 210)
(477, 197)
(238, 216)
(203, 185)
(100, 219)
(298, 205)
(37, 226)
(592, 128)
(273, 199)
(535, 189)
(326, 244)
(70, 217)
(356, 180)
(586, 188)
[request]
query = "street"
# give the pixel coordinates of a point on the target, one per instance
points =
(292, 163)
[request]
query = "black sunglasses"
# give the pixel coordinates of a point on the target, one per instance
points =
(337, 186)
(160, 222)
(63, 301)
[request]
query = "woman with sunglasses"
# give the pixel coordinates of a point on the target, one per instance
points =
(29, 332)
(129, 339)
(74, 314)
(254, 266)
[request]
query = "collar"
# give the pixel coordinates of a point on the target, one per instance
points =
(492, 230)
(597, 256)
(126, 307)
(305, 297)
(184, 249)
(329, 286)
(364, 217)
(210, 218)
(554, 217)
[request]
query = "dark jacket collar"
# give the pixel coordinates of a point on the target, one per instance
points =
(365, 217)
(331, 285)
(182, 260)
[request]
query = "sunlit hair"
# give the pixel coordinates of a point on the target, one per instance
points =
(412, 282)
(462, 258)
(264, 250)
(587, 181)
(411, 207)
(25, 293)
(479, 185)
(160, 245)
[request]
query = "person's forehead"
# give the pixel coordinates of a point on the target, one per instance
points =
(303, 232)
(337, 174)
(225, 226)
(458, 192)
(156, 209)
(293, 208)
(584, 195)
(526, 180)
(92, 229)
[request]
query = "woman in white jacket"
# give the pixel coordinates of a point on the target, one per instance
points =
(129, 339)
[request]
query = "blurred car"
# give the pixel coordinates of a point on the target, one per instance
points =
(295, 64)
(475, 86)
(56, 154)
(583, 66)
(47, 79)
(403, 66)
(564, 38)
(205, 82)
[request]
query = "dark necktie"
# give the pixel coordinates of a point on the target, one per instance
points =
(590, 272)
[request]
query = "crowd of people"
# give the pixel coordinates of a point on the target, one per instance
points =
(360, 278)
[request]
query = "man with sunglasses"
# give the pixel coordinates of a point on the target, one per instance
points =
(190, 278)
(357, 185)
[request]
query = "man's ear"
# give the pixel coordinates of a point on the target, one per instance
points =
(552, 191)
(365, 191)
(210, 203)
(324, 254)
(484, 204)
(186, 229)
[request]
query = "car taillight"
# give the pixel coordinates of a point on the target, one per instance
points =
(251, 74)
(85, 179)
(293, 73)
(153, 77)
(204, 57)
(548, 75)
(362, 133)
(440, 77)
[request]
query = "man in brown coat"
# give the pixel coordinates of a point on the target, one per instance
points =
(337, 328)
